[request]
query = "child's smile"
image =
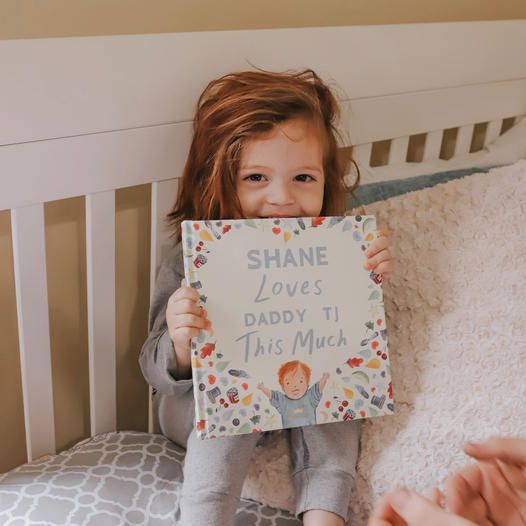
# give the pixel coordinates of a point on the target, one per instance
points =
(281, 173)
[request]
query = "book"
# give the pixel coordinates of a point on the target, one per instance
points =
(298, 333)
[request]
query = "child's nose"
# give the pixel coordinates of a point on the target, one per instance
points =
(280, 194)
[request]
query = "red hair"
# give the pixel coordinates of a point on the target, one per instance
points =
(292, 366)
(237, 107)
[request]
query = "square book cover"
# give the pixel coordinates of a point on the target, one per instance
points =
(298, 332)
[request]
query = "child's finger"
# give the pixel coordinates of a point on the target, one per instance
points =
(384, 232)
(376, 246)
(185, 334)
(188, 306)
(378, 258)
(184, 293)
(191, 320)
(384, 268)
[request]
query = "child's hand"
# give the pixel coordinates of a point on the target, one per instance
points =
(185, 320)
(261, 386)
(379, 257)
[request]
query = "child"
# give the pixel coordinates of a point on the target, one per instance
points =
(297, 406)
(264, 145)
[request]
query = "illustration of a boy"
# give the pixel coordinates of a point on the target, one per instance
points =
(297, 404)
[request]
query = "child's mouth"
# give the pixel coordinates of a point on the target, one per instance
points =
(275, 217)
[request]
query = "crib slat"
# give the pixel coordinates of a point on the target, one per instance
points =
(163, 197)
(492, 131)
(29, 256)
(463, 142)
(100, 254)
(164, 194)
(432, 145)
(361, 154)
(398, 150)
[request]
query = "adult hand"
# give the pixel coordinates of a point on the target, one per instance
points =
(492, 490)
(404, 507)
(511, 454)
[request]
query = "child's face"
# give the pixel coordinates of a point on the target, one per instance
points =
(281, 173)
(295, 384)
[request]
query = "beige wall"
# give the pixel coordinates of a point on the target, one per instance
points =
(65, 223)
(56, 18)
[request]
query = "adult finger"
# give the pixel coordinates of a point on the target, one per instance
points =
(515, 475)
(504, 505)
(378, 522)
(434, 495)
(463, 494)
(384, 514)
(416, 510)
(512, 450)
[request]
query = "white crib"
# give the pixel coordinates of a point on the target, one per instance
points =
(89, 116)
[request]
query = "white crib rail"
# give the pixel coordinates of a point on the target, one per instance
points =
(68, 141)
(100, 255)
(163, 198)
(32, 301)
(33, 318)
(29, 252)
(33, 328)
(397, 117)
(432, 146)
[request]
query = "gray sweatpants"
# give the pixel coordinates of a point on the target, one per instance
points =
(323, 461)
(324, 456)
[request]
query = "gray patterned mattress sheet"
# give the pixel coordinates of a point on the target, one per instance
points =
(112, 479)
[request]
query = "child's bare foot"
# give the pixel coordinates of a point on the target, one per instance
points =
(321, 518)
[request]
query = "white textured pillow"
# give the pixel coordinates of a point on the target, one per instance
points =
(456, 319)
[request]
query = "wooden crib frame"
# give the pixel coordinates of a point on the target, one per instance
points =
(88, 116)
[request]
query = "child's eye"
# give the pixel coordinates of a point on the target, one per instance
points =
(304, 178)
(254, 177)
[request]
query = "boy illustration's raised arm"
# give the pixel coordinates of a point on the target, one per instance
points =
(323, 381)
(266, 390)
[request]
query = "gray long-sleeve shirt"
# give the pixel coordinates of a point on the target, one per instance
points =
(157, 359)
